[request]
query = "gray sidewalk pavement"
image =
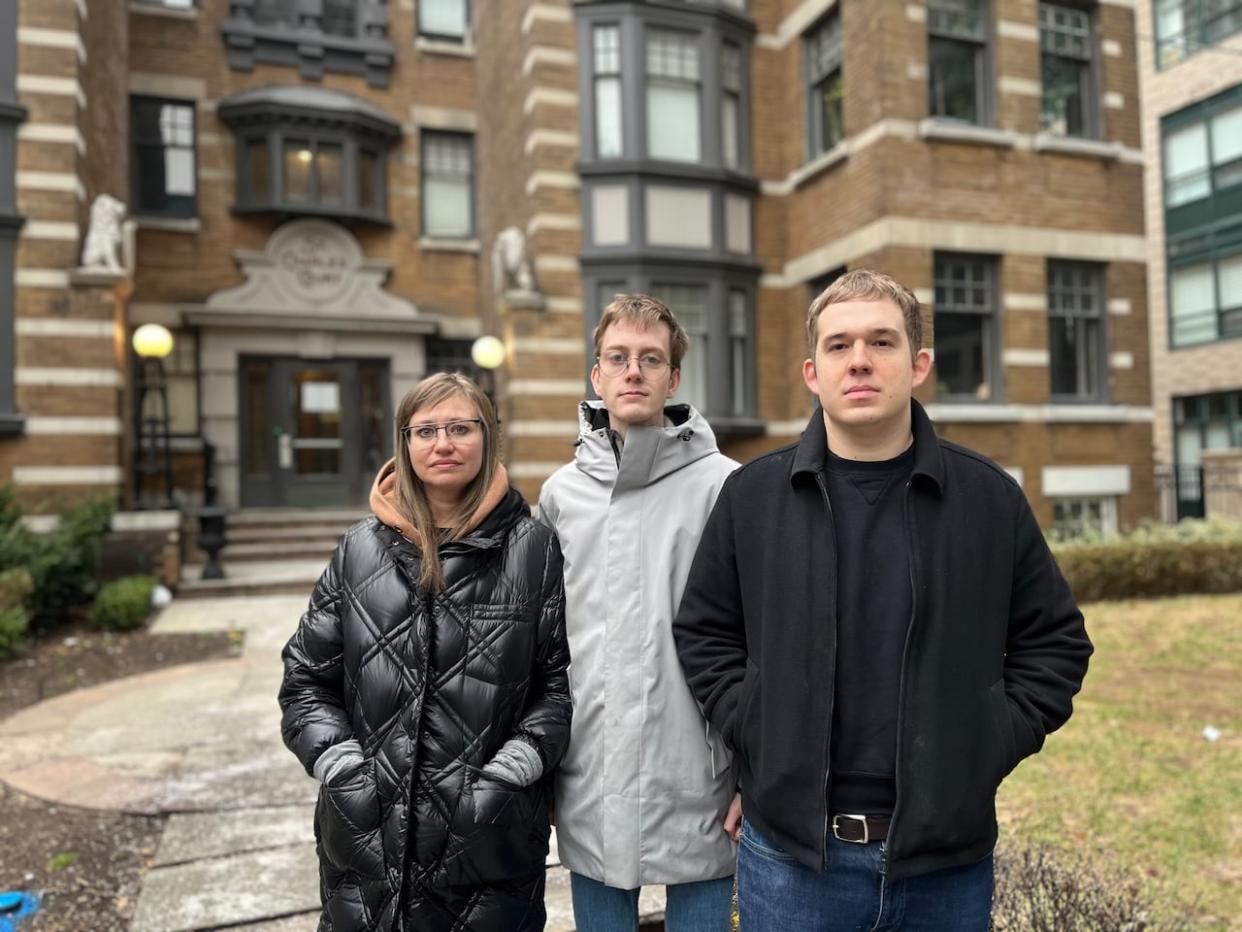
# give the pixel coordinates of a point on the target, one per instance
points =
(201, 744)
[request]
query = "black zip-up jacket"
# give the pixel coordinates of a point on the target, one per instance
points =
(994, 652)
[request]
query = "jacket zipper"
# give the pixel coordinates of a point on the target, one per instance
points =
(901, 688)
(832, 695)
(616, 451)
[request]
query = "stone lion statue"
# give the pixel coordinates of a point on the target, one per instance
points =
(103, 240)
(511, 268)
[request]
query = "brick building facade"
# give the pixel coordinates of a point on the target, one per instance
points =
(317, 211)
(1190, 69)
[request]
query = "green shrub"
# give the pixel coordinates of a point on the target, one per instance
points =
(61, 563)
(1155, 560)
(124, 603)
(15, 586)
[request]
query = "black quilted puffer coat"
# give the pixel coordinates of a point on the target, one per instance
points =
(432, 686)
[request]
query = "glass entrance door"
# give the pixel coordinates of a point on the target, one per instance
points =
(307, 432)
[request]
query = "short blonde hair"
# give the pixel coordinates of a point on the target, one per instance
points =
(646, 312)
(866, 285)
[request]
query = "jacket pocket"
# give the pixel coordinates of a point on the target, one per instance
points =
(1002, 726)
(750, 686)
(348, 821)
(718, 753)
(500, 831)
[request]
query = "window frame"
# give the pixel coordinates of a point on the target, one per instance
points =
(1089, 65)
(433, 135)
(307, 46)
(1078, 525)
(695, 39)
(278, 115)
(467, 29)
(189, 210)
(1213, 261)
(1192, 38)
(984, 56)
(829, 27)
(993, 371)
(1098, 319)
(597, 77)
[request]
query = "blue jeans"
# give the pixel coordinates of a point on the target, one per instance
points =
(778, 894)
(702, 906)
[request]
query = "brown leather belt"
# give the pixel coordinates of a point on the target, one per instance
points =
(859, 829)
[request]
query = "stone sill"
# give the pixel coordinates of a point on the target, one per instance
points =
(1089, 148)
(431, 244)
(170, 224)
(946, 131)
(808, 170)
(154, 9)
(464, 49)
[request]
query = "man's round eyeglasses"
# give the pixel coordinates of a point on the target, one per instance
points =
(616, 363)
(453, 430)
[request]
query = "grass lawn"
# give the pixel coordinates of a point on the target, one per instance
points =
(1131, 779)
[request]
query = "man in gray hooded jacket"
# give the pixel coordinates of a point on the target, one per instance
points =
(645, 794)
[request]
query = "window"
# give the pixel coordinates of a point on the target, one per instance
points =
(1076, 344)
(448, 185)
(1084, 517)
(1205, 300)
(336, 17)
(739, 351)
(965, 325)
(731, 105)
(310, 151)
(957, 57)
(1202, 422)
(164, 179)
(817, 286)
(344, 36)
(1185, 26)
(689, 305)
(1066, 41)
(1203, 157)
(444, 19)
(825, 92)
(673, 96)
(340, 18)
(606, 67)
(181, 377)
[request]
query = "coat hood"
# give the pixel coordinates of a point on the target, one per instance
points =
(647, 454)
(384, 501)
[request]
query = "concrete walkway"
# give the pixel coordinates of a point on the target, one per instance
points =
(201, 744)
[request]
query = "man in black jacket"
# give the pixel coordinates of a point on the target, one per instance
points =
(874, 622)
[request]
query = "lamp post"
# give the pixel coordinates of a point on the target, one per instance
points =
(489, 353)
(152, 450)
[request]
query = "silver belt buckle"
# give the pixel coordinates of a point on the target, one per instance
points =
(861, 819)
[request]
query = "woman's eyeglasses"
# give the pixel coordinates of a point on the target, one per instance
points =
(455, 431)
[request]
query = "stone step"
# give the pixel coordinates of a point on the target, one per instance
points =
(251, 578)
(295, 532)
(284, 517)
(263, 550)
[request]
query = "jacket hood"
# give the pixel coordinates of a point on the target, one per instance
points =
(647, 454)
(384, 501)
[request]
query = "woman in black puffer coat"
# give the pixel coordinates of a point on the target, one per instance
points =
(426, 687)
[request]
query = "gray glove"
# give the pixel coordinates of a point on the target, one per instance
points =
(516, 763)
(338, 759)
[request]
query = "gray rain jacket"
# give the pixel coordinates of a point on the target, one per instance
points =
(642, 792)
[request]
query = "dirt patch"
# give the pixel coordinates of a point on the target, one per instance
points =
(87, 864)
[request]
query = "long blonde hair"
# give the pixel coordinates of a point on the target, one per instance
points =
(411, 497)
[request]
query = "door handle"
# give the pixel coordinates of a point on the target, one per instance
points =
(284, 448)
